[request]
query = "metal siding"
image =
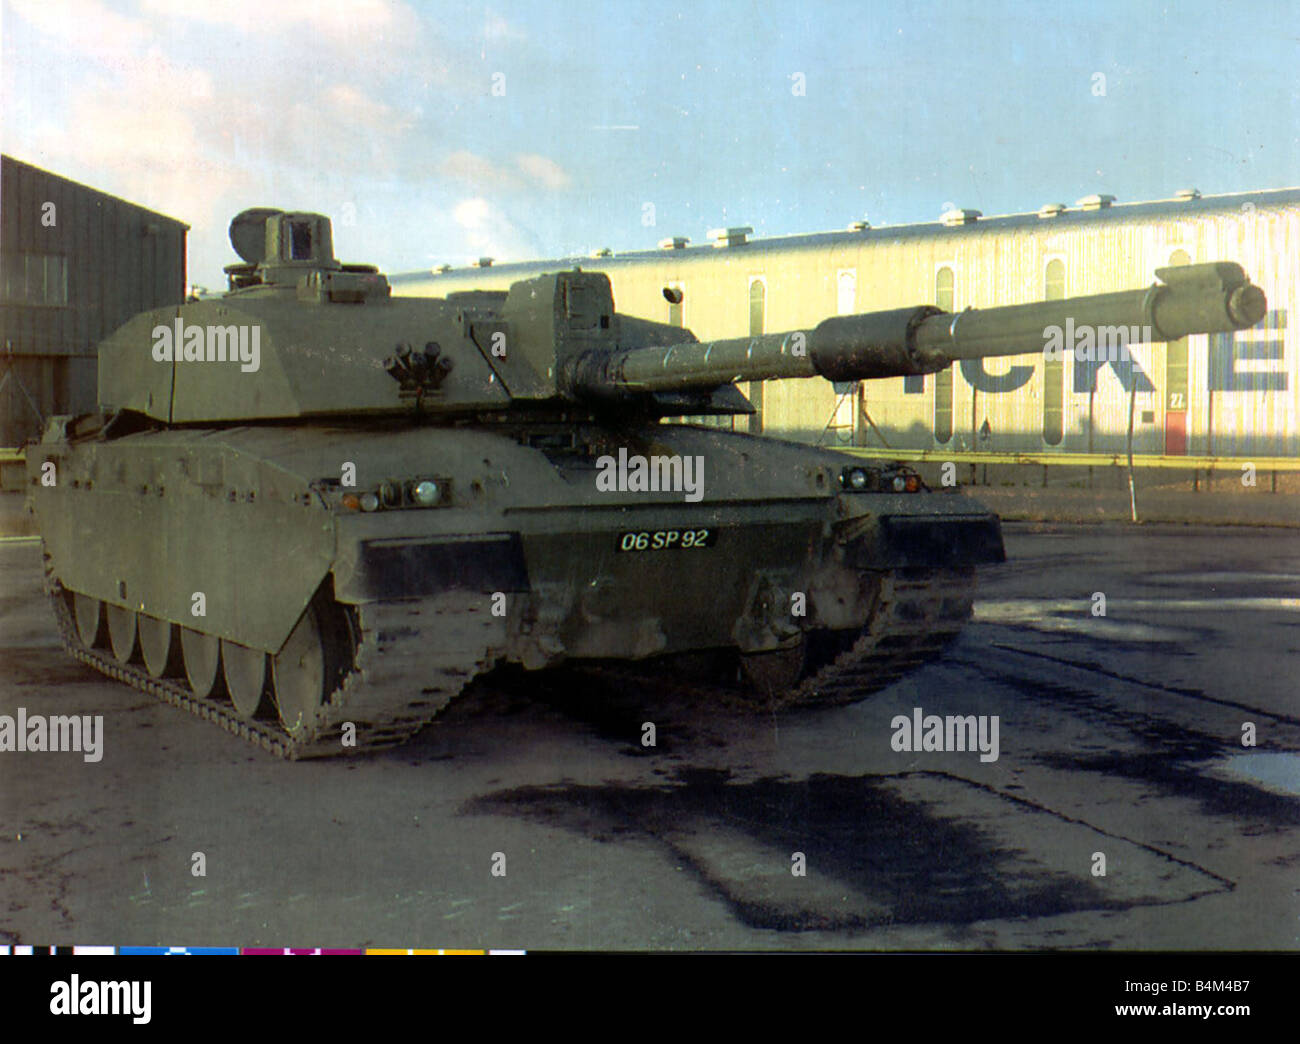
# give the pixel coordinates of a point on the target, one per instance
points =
(52, 347)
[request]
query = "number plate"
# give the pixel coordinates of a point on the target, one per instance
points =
(668, 539)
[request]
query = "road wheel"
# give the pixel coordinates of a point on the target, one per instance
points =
(89, 619)
(202, 662)
(301, 675)
(770, 675)
(245, 673)
(159, 645)
(121, 632)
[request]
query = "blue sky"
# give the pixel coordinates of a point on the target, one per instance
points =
(382, 114)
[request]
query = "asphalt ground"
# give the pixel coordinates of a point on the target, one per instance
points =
(1119, 750)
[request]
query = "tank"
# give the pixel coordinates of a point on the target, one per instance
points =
(313, 513)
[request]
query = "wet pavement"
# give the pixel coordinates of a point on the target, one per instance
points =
(1122, 810)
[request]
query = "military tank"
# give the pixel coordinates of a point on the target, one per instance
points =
(313, 513)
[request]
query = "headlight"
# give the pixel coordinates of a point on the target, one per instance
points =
(369, 501)
(855, 479)
(900, 483)
(425, 493)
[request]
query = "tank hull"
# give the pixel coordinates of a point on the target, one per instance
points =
(537, 554)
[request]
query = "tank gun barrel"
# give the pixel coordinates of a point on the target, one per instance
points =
(1215, 297)
(1194, 299)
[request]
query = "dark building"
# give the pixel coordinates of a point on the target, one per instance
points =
(74, 265)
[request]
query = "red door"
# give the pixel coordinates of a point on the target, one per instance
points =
(1176, 433)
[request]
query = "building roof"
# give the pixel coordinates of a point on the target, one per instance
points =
(1074, 216)
(88, 190)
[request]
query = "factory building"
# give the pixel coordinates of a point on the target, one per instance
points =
(1222, 395)
(75, 264)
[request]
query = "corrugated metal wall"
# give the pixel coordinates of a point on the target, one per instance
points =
(1242, 391)
(109, 259)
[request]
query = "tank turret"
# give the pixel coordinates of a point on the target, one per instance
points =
(300, 335)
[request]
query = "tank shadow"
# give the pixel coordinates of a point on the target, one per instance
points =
(875, 850)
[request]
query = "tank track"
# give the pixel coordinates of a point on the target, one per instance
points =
(396, 685)
(917, 616)
(918, 613)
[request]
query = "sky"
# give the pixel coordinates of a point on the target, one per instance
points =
(443, 132)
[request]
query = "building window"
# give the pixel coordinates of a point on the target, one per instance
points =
(943, 288)
(757, 301)
(1054, 369)
(943, 298)
(35, 279)
(1054, 281)
(846, 291)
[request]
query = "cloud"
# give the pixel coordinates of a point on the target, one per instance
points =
(172, 138)
(343, 131)
(84, 26)
(526, 172)
(545, 172)
(476, 170)
(153, 150)
(488, 232)
(200, 109)
(348, 20)
(376, 42)
(198, 140)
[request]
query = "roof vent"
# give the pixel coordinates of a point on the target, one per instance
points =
(955, 217)
(674, 243)
(1051, 210)
(859, 226)
(728, 237)
(1187, 195)
(443, 268)
(1095, 202)
(484, 262)
(601, 252)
